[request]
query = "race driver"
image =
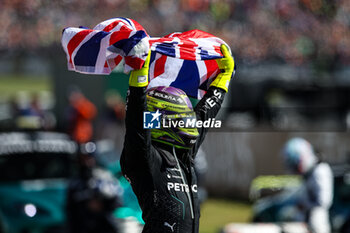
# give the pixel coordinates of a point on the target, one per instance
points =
(159, 162)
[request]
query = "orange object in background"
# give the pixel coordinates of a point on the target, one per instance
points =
(82, 113)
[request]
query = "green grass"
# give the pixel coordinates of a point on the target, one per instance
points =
(10, 84)
(215, 213)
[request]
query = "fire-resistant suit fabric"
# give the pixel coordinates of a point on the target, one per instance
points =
(162, 176)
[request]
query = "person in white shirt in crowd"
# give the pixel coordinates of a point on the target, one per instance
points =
(300, 158)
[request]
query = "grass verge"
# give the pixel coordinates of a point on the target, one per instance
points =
(215, 213)
(10, 84)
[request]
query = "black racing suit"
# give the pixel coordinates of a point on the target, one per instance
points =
(163, 177)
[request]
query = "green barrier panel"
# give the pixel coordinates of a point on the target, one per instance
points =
(118, 81)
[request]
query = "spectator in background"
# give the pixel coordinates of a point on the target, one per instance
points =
(41, 105)
(80, 114)
(111, 126)
(32, 112)
(300, 158)
(115, 107)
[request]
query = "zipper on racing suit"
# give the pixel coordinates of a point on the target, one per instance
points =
(183, 182)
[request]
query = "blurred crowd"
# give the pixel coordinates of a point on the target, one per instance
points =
(26, 110)
(311, 32)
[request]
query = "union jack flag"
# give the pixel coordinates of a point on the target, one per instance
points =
(183, 60)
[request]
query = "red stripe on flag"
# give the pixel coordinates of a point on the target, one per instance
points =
(134, 62)
(159, 66)
(113, 62)
(212, 67)
(218, 50)
(187, 50)
(190, 34)
(117, 60)
(122, 34)
(75, 41)
(138, 26)
(110, 26)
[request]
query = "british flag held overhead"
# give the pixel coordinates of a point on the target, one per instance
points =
(183, 60)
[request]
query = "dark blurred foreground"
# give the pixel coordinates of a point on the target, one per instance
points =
(50, 183)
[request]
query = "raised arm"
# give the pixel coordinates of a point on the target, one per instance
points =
(137, 139)
(210, 104)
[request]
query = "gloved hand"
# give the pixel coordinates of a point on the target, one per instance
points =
(226, 65)
(139, 78)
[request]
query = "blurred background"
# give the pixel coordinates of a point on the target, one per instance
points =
(292, 80)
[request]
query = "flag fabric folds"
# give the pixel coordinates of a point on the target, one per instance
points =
(183, 60)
